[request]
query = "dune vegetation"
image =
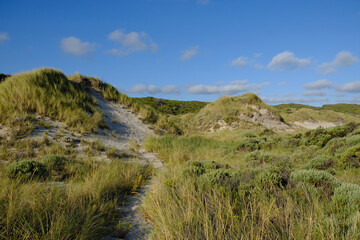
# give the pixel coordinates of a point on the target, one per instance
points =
(258, 184)
(48, 191)
(48, 93)
(227, 175)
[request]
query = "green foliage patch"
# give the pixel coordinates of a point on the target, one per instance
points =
(27, 170)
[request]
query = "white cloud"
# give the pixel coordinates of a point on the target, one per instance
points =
(131, 42)
(76, 47)
(355, 99)
(152, 89)
(170, 89)
(239, 62)
(288, 62)
(314, 93)
(189, 53)
(4, 37)
(283, 83)
(342, 59)
(319, 84)
(352, 87)
(232, 88)
(293, 100)
(203, 2)
(138, 88)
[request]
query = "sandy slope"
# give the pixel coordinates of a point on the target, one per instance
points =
(124, 126)
(127, 127)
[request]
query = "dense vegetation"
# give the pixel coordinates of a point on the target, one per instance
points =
(341, 108)
(258, 185)
(172, 106)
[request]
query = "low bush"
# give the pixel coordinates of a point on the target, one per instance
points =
(346, 198)
(249, 145)
(26, 170)
(320, 162)
(54, 162)
(350, 158)
(318, 178)
(353, 140)
(259, 156)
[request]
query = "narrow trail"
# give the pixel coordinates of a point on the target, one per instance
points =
(127, 126)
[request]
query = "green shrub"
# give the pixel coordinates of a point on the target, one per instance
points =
(351, 158)
(55, 162)
(259, 157)
(196, 168)
(270, 178)
(346, 198)
(353, 140)
(317, 178)
(26, 170)
(320, 162)
(249, 145)
(229, 178)
(267, 132)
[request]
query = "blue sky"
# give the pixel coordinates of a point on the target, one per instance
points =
(285, 51)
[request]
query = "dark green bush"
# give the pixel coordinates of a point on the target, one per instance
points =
(353, 140)
(250, 145)
(26, 170)
(196, 168)
(259, 156)
(318, 178)
(350, 158)
(55, 162)
(320, 162)
(346, 199)
(230, 178)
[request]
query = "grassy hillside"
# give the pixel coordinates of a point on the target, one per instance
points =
(336, 113)
(172, 106)
(231, 111)
(340, 108)
(258, 185)
(49, 93)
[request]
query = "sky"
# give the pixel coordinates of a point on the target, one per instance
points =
(286, 51)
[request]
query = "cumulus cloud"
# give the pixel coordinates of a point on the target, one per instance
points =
(76, 47)
(170, 89)
(355, 99)
(342, 59)
(189, 53)
(232, 88)
(239, 62)
(314, 93)
(130, 42)
(319, 84)
(272, 100)
(4, 37)
(152, 89)
(351, 87)
(288, 62)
